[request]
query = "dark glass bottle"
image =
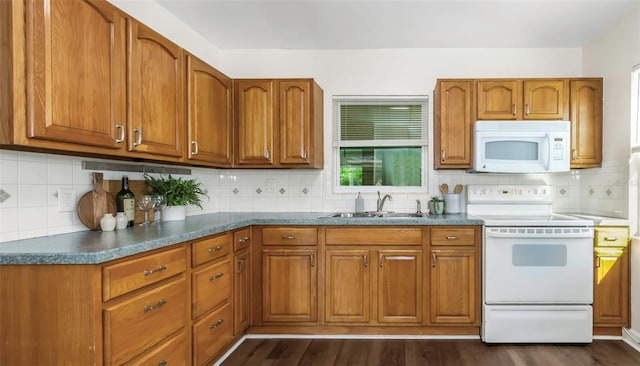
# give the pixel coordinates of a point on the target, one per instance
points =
(125, 201)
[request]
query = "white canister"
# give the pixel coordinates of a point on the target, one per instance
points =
(121, 220)
(108, 222)
(452, 202)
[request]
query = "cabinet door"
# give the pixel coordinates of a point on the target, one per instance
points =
(586, 123)
(209, 121)
(254, 122)
(546, 99)
(453, 124)
(295, 121)
(155, 89)
(348, 290)
(611, 287)
(289, 285)
(453, 295)
(400, 286)
(241, 291)
(76, 72)
(499, 99)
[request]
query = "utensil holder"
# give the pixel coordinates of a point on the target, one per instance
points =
(452, 203)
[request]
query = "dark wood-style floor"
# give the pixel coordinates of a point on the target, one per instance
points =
(410, 352)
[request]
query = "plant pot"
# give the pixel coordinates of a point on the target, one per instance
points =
(174, 213)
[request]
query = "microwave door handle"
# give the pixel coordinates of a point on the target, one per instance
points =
(547, 140)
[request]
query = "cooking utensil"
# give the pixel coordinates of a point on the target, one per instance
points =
(444, 188)
(457, 189)
(94, 204)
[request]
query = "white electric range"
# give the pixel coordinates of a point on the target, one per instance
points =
(537, 267)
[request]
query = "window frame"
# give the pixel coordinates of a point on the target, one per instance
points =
(423, 143)
(635, 108)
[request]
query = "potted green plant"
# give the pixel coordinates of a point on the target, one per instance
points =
(178, 193)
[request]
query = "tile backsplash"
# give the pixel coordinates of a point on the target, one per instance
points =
(29, 183)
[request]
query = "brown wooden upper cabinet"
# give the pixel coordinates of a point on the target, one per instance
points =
(278, 123)
(74, 52)
(96, 81)
(156, 93)
(586, 123)
(460, 102)
(209, 114)
(512, 99)
(453, 126)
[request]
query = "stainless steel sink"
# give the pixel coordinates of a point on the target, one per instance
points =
(370, 214)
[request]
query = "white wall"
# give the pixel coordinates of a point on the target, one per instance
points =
(612, 55)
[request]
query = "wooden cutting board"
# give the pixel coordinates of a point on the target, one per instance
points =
(94, 204)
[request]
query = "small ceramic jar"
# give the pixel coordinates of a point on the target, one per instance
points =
(121, 220)
(107, 222)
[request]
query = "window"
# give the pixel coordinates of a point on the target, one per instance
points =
(380, 142)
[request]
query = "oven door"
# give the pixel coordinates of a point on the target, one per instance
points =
(538, 265)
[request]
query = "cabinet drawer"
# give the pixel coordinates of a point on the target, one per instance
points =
(211, 334)
(211, 248)
(374, 236)
(124, 277)
(612, 236)
(171, 352)
(132, 326)
(290, 236)
(241, 239)
(211, 287)
(453, 236)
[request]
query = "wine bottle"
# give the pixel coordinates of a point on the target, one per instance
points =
(125, 201)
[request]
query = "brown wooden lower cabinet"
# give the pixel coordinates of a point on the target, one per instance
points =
(452, 289)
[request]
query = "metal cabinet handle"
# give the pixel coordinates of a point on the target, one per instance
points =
(195, 147)
(121, 137)
(610, 238)
(138, 133)
(598, 262)
(304, 154)
(147, 272)
(242, 240)
(162, 363)
(574, 154)
(451, 237)
(288, 237)
(443, 155)
(213, 250)
(515, 109)
(366, 261)
(526, 109)
(217, 324)
(216, 276)
(267, 154)
(240, 265)
(156, 306)
(433, 260)
(380, 260)
(313, 259)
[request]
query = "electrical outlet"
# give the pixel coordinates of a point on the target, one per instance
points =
(271, 185)
(66, 199)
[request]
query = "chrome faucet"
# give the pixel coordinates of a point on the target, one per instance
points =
(419, 207)
(380, 203)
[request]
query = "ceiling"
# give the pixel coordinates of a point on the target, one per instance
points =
(365, 24)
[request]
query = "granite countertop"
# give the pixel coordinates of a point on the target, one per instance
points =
(91, 247)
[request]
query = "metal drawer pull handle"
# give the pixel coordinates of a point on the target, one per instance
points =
(162, 363)
(433, 260)
(213, 250)
(242, 240)
(598, 263)
(216, 276)
(153, 307)
(121, 137)
(147, 272)
(610, 238)
(290, 237)
(139, 139)
(217, 324)
(450, 237)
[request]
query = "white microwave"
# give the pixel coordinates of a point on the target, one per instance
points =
(521, 146)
